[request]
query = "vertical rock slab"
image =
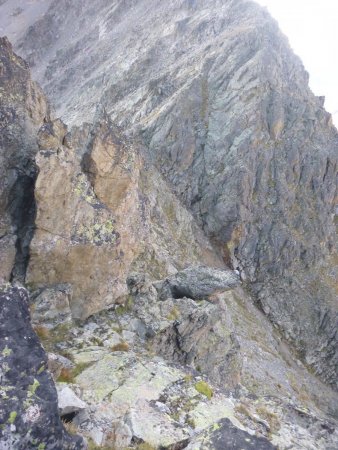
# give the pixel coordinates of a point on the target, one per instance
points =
(28, 400)
(22, 110)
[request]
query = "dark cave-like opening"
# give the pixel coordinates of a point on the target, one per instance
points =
(22, 207)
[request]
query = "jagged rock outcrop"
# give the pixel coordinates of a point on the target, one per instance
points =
(23, 108)
(196, 141)
(222, 104)
(196, 334)
(28, 408)
(101, 211)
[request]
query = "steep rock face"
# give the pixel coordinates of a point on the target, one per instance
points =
(102, 214)
(22, 110)
(223, 106)
(28, 408)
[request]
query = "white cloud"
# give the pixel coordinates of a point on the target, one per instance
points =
(312, 29)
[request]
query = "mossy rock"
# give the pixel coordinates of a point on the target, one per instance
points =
(203, 388)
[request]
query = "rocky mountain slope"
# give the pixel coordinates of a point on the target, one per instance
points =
(193, 141)
(223, 108)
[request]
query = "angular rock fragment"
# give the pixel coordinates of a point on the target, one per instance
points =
(68, 401)
(156, 429)
(110, 215)
(200, 336)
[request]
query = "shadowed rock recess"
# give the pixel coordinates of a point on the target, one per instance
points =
(173, 219)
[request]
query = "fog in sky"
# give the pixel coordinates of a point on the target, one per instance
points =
(312, 29)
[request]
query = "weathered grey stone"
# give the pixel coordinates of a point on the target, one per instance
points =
(115, 383)
(68, 401)
(200, 336)
(122, 435)
(197, 282)
(156, 429)
(51, 307)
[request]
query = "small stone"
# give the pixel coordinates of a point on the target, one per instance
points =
(68, 401)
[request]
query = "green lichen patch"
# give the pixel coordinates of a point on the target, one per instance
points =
(97, 233)
(32, 388)
(83, 189)
(6, 352)
(126, 307)
(12, 417)
(203, 388)
(174, 314)
(42, 368)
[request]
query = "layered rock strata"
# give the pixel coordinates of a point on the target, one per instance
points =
(207, 148)
(223, 107)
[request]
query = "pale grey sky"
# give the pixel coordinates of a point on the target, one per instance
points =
(312, 29)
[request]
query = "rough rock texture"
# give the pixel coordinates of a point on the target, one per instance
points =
(196, 334)
(51, 306)
(56, 363)
(68, 401)
(140, 387)
(28, 407)
(111, 213)
(195, 141)
(22, 110)
(223, 435)
(222, 104)
(198, 283)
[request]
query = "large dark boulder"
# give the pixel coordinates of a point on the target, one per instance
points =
(224, 435)
(197, 282)
(28, 400)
